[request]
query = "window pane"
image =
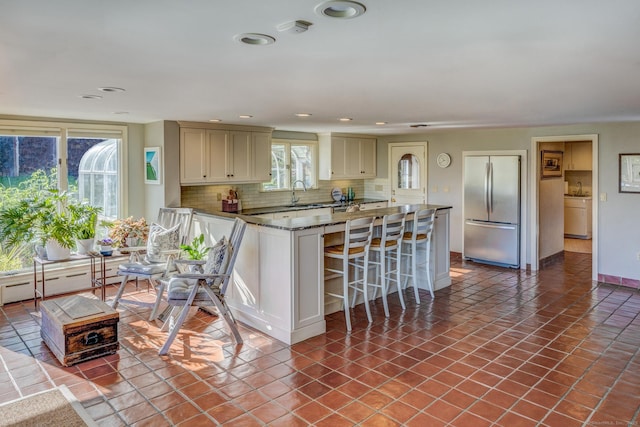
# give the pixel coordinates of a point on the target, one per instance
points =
(20, 156)
(27, 165)
(278, 168)
(302, 164)
(97, 173)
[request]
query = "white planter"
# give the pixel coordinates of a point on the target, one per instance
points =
(55, 252)
(85, 246)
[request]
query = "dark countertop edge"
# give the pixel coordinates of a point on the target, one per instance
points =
(314, 205)
(305, 223)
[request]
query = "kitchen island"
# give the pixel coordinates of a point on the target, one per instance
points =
(278, 284)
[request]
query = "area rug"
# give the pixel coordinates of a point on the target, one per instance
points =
(55, 408)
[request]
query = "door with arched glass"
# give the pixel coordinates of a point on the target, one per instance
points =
(408, 169)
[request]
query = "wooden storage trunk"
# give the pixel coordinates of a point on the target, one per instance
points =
(77, 328)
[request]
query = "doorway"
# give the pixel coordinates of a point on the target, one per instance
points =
(548, 193)
(408, 170)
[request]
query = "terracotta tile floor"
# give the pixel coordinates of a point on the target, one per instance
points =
(499, 347)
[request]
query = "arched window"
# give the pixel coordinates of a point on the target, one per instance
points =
(98, 177)
(408, 172)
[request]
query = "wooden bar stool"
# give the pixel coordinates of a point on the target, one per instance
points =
(420, 234)
(387, 248)
(354, 252)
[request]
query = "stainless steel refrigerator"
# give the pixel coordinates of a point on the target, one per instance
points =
(492, 209)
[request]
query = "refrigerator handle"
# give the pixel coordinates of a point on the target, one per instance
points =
(490, 196)
(486, 188)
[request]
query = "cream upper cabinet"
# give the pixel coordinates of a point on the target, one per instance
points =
(577, 156)
(368, 157)
(193, 167)
(347, 157)
(262, 156)
(239, 157)
(209, 156)
(216, 156)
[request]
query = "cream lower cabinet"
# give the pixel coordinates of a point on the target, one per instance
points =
(440, 250)
(577, 217)
(210, 156)
(275, 286)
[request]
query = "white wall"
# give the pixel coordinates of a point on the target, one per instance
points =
(166, 135)
(135, 172)
(618, 224)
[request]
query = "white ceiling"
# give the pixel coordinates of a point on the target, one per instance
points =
(446, 63)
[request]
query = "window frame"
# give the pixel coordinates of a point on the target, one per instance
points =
(288, 143)
(66, 130)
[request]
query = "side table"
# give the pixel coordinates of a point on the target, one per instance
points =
(97, 265)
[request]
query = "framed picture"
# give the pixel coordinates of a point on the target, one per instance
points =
(152, 165)
(551, 164)
(629, 173)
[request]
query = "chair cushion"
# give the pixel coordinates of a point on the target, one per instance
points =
(161, 240)
(218, 259)
(141, 268)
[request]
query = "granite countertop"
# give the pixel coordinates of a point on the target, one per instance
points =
(304, 206)
(313, 221)
(569, 196)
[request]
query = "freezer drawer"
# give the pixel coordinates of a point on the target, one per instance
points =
(493, 243)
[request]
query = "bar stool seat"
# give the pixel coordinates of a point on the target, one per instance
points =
(387, 248)
(354, 253)
(420, 234)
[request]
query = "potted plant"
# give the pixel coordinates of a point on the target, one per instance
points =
(106, 246)
(50, 219)
(85, 219)
(41, 218)
(128, 232)
(197, 250)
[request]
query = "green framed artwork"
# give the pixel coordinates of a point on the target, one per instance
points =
(152, 165)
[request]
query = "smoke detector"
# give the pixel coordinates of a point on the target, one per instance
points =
(294, 27)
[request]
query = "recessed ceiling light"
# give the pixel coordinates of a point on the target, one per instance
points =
(215, 120)
(90, 96)
(341, 9)
(245, 116)
(303, 114)
(345, 119)
(255, 39)
(381, 123)
(111, 89)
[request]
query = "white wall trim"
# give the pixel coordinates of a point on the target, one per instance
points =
(535, 164)
(524, 185)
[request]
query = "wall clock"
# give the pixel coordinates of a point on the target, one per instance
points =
(443, 160)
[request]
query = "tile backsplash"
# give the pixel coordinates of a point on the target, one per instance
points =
(206, 196)
(574, 177)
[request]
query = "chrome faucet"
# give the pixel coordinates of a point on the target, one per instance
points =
(579, 189)
(295, 199)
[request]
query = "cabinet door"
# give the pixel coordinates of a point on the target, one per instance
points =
(581, 156)
(338, 158)
(239, 157)
(368, 157)
(352, 163)
(440, 252)
(217, 144)
(193, 164)
(575, 221)
(261, 156)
